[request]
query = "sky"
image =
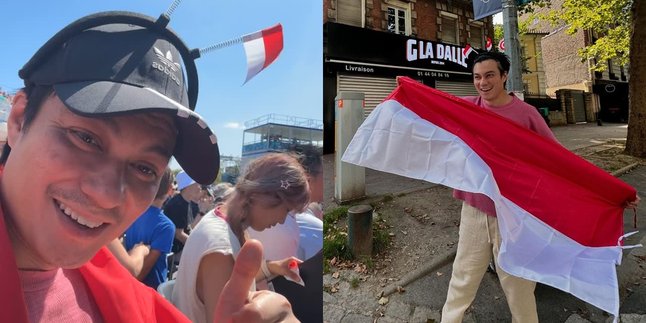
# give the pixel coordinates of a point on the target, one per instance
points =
(497, 19)
(292, 85)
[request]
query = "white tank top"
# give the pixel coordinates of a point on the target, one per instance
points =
(212, 234)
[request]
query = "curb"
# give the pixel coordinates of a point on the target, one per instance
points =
(367, 199)
(624, 170)
(433, 265)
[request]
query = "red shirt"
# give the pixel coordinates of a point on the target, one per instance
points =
(118, 295)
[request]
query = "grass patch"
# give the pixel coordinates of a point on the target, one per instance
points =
(387, 198)
(334, 245)
(335, 239)
(332, 217)
(354, 282)
(368, 261)
(380, 239)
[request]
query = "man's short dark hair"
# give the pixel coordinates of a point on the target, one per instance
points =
(36, 95)
(500, 58)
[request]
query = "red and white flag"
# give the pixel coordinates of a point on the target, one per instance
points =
(262, 48)
(489, 44)
(501, 45)
(560, 217)
(466, 51)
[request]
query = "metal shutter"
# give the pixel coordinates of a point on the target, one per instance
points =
(349, 12)
(375, 89)
(456, 88)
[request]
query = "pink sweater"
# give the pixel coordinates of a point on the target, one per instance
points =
(59, 295)
(519, 112)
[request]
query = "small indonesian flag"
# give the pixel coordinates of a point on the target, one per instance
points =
(293, 266)
(466, 51)
(262, 48)
(489, 44)
(560, 217)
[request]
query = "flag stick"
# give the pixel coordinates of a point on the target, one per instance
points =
(172, 8)
(221, 45)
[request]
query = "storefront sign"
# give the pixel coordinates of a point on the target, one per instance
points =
(358, 68)
(437, 53)
(380, 70)
(378, 50)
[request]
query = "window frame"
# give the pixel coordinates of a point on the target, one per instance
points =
(448, 15)
(478, 24)
(406, 8)
(362, 13)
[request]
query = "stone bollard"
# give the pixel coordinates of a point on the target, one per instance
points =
(360, 230)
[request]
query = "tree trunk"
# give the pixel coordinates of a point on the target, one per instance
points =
(636, 139)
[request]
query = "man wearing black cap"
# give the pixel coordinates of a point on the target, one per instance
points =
(103, 110)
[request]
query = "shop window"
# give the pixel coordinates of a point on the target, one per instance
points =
(398, 17)
(449, 28)
(350, 12)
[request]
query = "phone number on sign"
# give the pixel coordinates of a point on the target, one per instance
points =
(433, 74)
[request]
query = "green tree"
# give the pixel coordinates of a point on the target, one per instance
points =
(618, 30)
(609, 21)
(498, 34)
(636, 140)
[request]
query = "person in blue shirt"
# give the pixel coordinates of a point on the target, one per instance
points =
(148, 240)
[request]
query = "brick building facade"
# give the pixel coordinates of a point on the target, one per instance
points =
(585, 94)
(367, 43)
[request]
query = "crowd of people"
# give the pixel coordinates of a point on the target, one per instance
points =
(197, 232)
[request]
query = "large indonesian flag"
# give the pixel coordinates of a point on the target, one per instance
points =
(560, 217)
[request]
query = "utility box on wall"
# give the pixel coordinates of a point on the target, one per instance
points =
(349, 180)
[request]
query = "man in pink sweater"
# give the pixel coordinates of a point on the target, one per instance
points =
(479, 235)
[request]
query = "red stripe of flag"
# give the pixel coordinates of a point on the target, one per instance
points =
(273, 40)
(561, 189)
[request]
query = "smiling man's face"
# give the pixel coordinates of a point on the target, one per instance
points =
(72, 184)
(488, 81)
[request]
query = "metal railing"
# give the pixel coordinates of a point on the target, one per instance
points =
(284, 120)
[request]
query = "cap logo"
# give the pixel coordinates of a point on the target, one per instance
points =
(167, 65)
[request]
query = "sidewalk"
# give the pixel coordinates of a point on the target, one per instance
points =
(426, 284)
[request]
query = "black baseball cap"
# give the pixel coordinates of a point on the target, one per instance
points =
(117, 69)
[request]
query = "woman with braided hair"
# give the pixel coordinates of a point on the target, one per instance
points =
(273, 187)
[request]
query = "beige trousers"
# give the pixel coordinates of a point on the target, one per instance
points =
(480, 240)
